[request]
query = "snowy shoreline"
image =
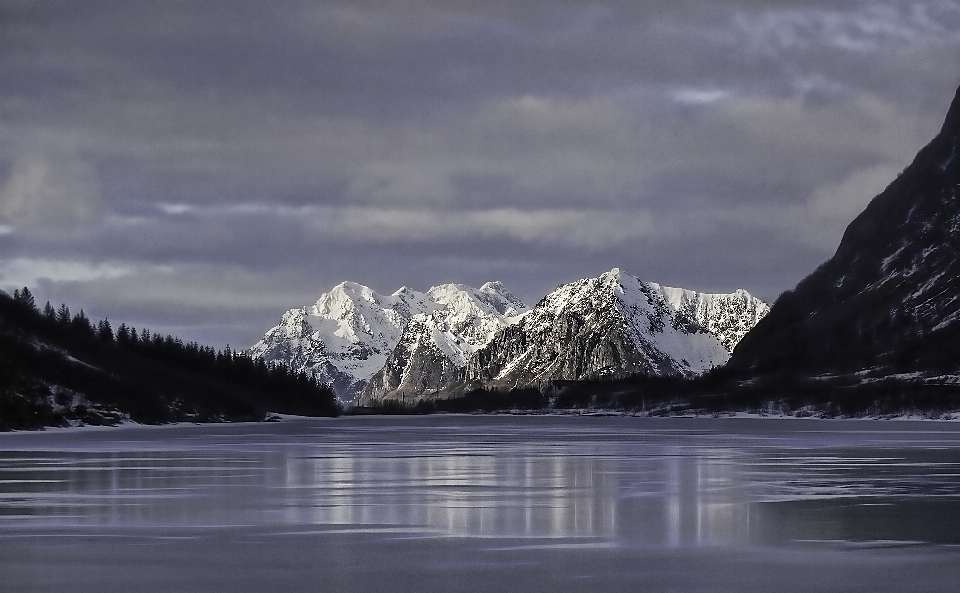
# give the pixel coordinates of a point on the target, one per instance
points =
(914, 417)
(950, 417)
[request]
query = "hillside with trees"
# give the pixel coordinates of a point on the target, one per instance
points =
(58, 368)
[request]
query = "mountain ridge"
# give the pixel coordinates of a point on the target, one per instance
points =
(346, 337)
(613, 326)
(438, 343)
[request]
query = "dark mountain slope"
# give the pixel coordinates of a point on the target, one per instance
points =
(55, 369)
(889, 299)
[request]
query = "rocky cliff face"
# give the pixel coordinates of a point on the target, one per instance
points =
(889, 299)
(613, 326)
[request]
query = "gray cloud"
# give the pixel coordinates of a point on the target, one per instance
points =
(202, 166)
(43, 190)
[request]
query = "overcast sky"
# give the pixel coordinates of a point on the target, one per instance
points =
(200, 167)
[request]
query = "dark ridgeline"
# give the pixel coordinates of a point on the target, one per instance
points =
(55, 367)
(889, 299)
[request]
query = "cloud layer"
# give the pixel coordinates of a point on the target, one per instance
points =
(203, 166)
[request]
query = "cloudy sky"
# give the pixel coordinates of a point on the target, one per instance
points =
(199, 167)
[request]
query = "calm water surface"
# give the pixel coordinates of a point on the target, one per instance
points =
(480, 503)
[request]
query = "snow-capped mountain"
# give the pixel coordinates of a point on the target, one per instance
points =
(346, 337)
(412, 345)
(612, 326)
(435, 346)
(889, 299)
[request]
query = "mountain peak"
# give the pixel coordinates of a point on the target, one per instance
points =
(500, 298)
(951, 124)
(348, 286)
(615, 325)
(494, 286)
(351, 290)
(614, 273)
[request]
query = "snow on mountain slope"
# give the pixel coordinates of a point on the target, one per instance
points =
(346, 337)
(727, 316)
(411, 345)
(435, 346)
(612, 326)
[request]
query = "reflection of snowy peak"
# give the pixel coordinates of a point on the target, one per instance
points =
(346, 337)
(616, 325)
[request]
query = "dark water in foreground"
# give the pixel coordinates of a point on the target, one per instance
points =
(463, 503)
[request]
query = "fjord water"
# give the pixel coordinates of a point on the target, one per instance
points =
(483, 503)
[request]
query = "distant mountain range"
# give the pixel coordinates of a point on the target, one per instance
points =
(452, 338)
(348, 335)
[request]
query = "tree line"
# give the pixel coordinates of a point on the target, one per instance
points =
(56, 366)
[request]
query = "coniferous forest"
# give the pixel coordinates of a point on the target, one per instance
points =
(720, 391)
(58, 368)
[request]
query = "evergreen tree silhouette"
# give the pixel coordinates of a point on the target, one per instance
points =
(25, 298)
(63, 314)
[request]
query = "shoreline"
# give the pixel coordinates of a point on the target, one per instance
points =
(950, 417)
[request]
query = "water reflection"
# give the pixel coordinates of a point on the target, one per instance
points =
(623, 484)
(465, 495)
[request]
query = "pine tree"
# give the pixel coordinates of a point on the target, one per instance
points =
(82, 323)
(63, 314)
(104, 331)
(26, 299)
(49, 312)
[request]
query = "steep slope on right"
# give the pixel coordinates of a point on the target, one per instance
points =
(888, 301)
